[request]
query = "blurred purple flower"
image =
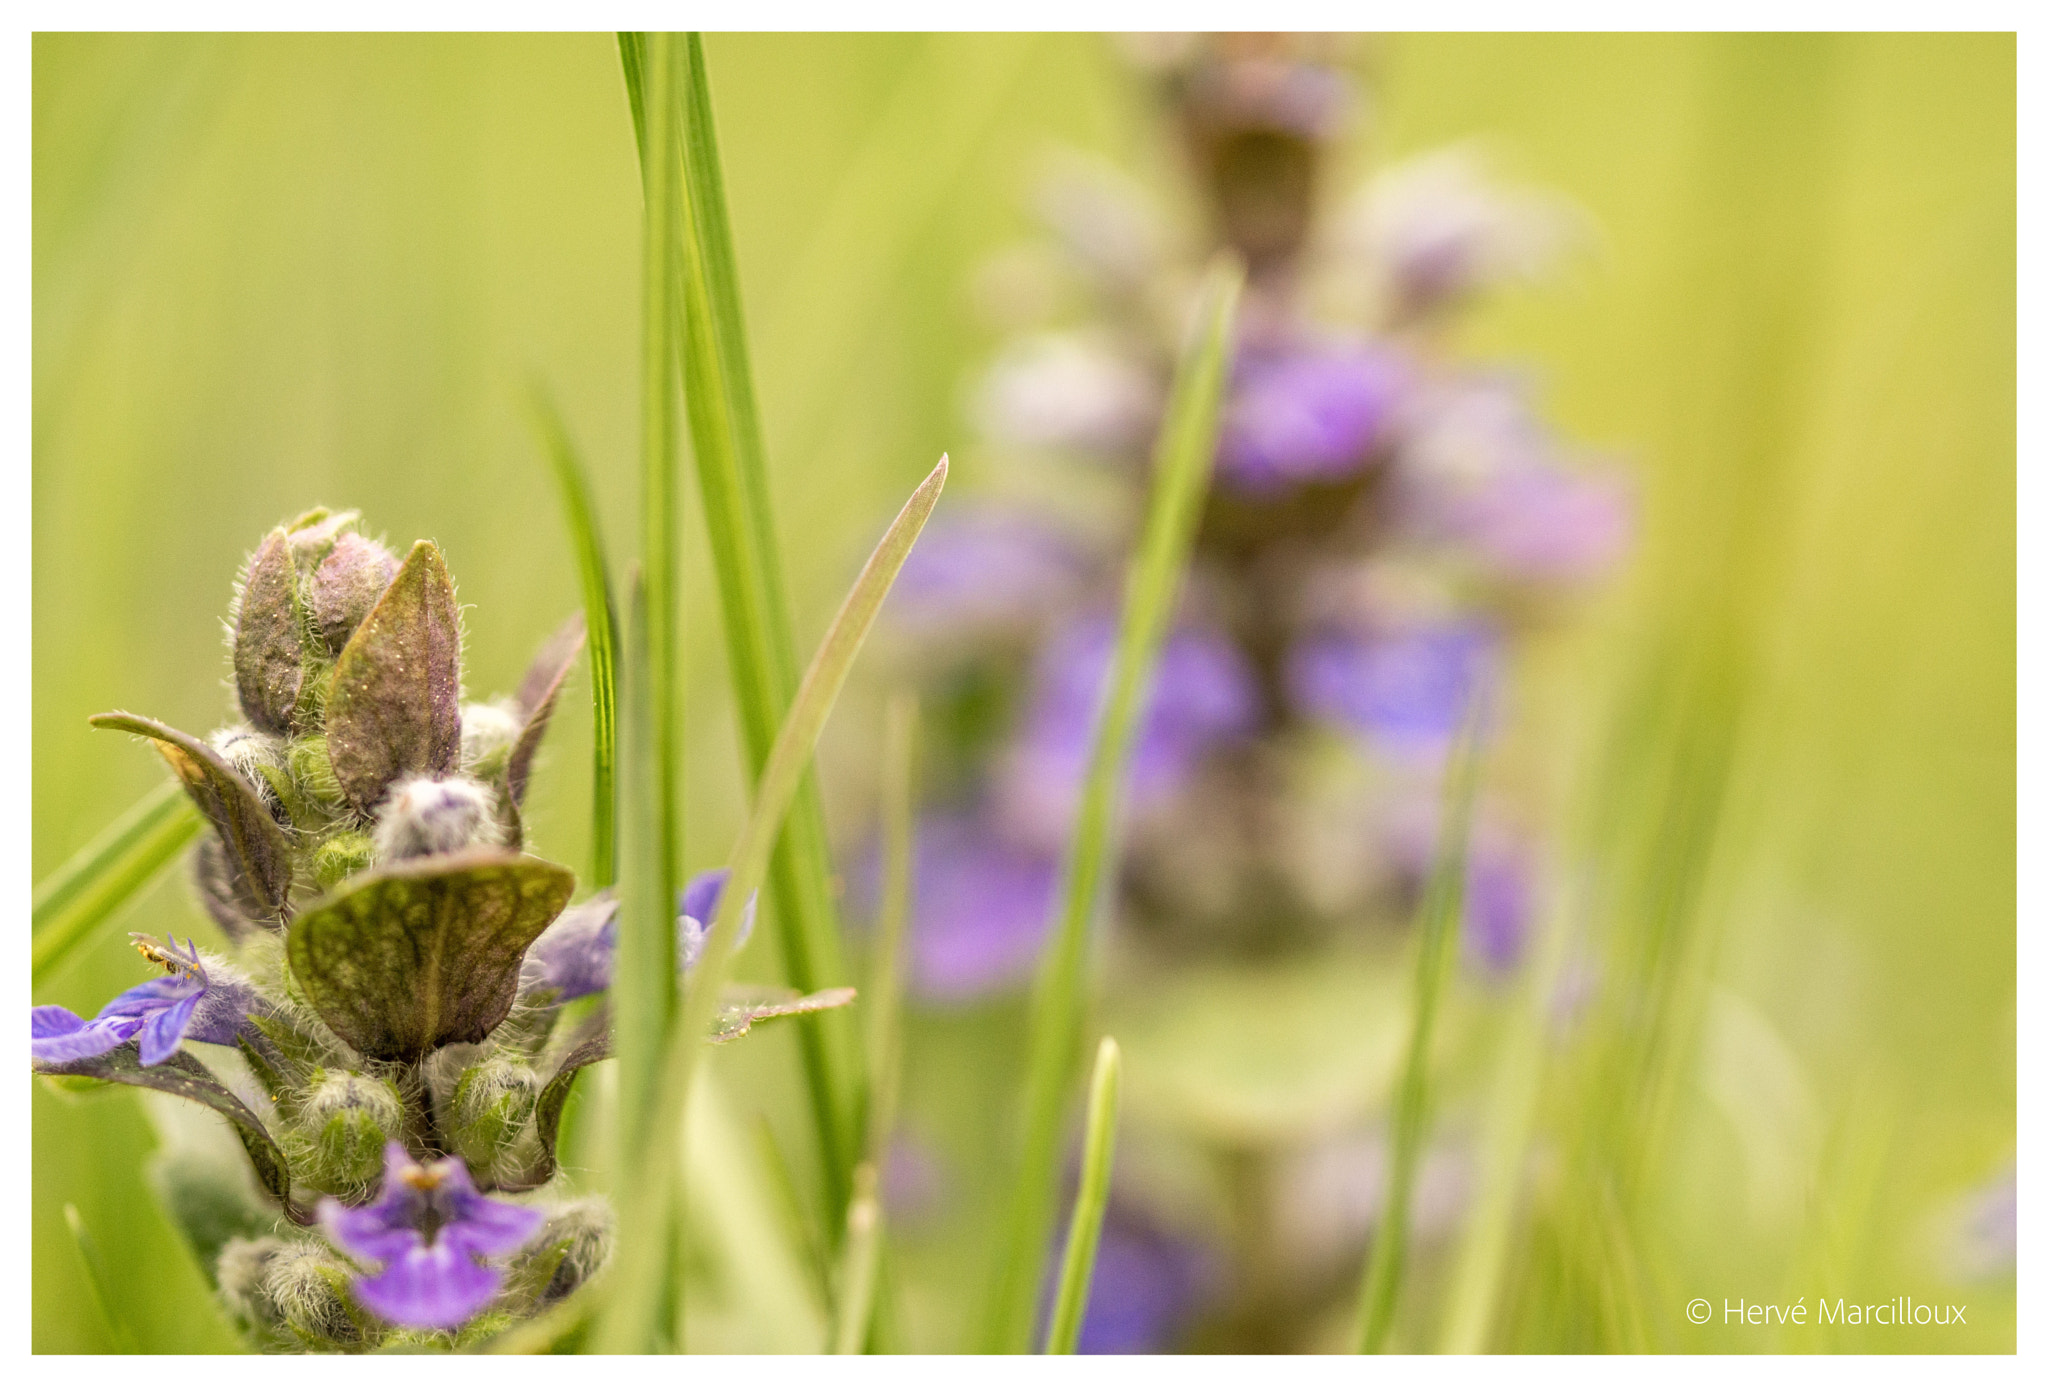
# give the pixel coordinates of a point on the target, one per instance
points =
(1406, 690)
(1066, 390)
(1439, 229)
(982, 908)
(1481, 471)
(1203, 693)
(1308, 414)
(985, 571)
(1499, 903)
(432, 1230)
(1149, 1284)
(1500, 887)
(190, 1003)
(1544, 523)
(573, 958)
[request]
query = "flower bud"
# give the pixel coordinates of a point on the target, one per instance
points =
(257, 757)
(583, 1231)
(424, 817)
(305, 1288)
(347, 584)
(342, 1125)
(489, 1111)
(489, 731)
(340, 857)
(314, 773)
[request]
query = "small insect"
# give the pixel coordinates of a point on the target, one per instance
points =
(168, 958)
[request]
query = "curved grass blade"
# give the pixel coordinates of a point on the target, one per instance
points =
(1182, 460)
(860, 1258)
(83, 893)
(1443, 904)
(651, 1162)
(601, 627)
(96, 1277)
(732, 476)
(1091, 1201)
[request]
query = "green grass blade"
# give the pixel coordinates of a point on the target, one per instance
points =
(1473, 1299)
(96, 1276)
(732, 474)
(649, 1170)
(1091, 1201)
(600, 620)
(1443, 905)
(106, 873)
(1182, 460)
(860, 1258)
(643, 1005)
(643, 994)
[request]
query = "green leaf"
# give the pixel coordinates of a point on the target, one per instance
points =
(394, 708)
(96, 1277)
(600, 622)
(643, 993)
(259, 855)
(83, 893)
(269, 663)
(1091, 1201)
(1443, 905)
(732, 476)
(861, 1253)
(425, 952)
(650, 1175)
(537, 694)
(1181, 464)
(181, 1075)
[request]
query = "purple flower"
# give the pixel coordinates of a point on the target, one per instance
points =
(1203, 693)
(1069, 390)
(431, 1230)
(982, 909)
(1546, 523)
(189, 1003)
(1499, 903)
(574, 957)
(1440, 231)
(1309, 414)
(1147, 1288)
(986, 571)
(1481, 471)
(1500, 888)
(1407, 690)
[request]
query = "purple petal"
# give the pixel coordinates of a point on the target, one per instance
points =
(1499, 904)
(1203, 693)
(985, 571)
(47, 1022)
(383, 1230)
(436, 1286)
(484, 1226)
(982, 909)
(1311, 414)
(145, 1000)
(1408, 691)
(56, 1036)
(699, 897)
(574, 956)
(162, 1031)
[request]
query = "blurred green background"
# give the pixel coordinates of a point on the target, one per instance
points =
(271, 272)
